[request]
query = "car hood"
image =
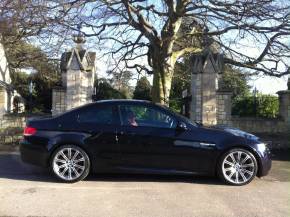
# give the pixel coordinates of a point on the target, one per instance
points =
(237, 132)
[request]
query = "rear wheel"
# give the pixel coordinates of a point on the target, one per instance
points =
(237, 167)
(70, 163)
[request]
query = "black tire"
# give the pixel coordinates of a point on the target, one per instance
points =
(238, 168)
(83, 162)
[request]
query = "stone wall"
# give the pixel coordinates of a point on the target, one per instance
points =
(11, 131)
(249, 124)
(58, 100)
(12, 121)
(259, 125)
(224, 107)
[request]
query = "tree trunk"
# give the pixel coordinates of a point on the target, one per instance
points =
(163, 69)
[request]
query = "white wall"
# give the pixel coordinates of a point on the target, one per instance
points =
(4, 76)
(4, 70)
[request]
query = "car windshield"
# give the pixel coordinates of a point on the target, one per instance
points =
(185, 119)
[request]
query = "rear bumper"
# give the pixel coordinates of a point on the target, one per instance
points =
(34, 154)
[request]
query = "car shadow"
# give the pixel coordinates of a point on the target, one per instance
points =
(13, 168)
(191, 179)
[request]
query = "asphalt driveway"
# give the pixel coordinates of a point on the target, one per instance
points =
(31, 191)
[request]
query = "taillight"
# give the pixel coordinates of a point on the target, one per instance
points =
(29, 131)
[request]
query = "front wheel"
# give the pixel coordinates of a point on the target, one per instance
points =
(70, 163)
(237, 167)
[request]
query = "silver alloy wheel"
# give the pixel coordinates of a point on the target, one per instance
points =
(238, 167)
(69, 164)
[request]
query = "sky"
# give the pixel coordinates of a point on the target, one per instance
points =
(264, 84)
(269, 85)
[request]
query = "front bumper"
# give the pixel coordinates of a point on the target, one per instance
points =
(265, 163)
(34, 154)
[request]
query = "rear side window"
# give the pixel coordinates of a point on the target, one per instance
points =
(96, 115)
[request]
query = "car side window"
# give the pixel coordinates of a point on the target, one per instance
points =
(145, 116)
(96, 115)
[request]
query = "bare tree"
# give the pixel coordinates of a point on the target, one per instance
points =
(46, 21)
(146, 35)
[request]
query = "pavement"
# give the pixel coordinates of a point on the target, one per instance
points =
(26, 190)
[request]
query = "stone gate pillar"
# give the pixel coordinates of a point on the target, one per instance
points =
(204, 85)
(284, 105)
(78, 71)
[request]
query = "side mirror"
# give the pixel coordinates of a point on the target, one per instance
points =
(181, 126)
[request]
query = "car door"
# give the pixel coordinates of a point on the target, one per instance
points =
(153, 143)
(100, 122)
(158, 142)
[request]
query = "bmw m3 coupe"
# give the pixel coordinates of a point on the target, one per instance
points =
(132, 136)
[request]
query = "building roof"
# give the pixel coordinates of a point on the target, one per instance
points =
(81, 56)
(199, 61)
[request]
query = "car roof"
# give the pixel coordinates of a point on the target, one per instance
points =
(133, 101)
(110, 101)
(124, 101)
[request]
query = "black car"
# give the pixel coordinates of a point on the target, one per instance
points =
(134, 136)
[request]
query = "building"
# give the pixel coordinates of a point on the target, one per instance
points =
(9, 98)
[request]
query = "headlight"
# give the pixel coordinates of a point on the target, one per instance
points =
(261, 147)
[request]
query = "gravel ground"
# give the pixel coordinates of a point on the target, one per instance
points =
(31, 191)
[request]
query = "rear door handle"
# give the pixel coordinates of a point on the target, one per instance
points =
(128, 133)
(131, 133)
